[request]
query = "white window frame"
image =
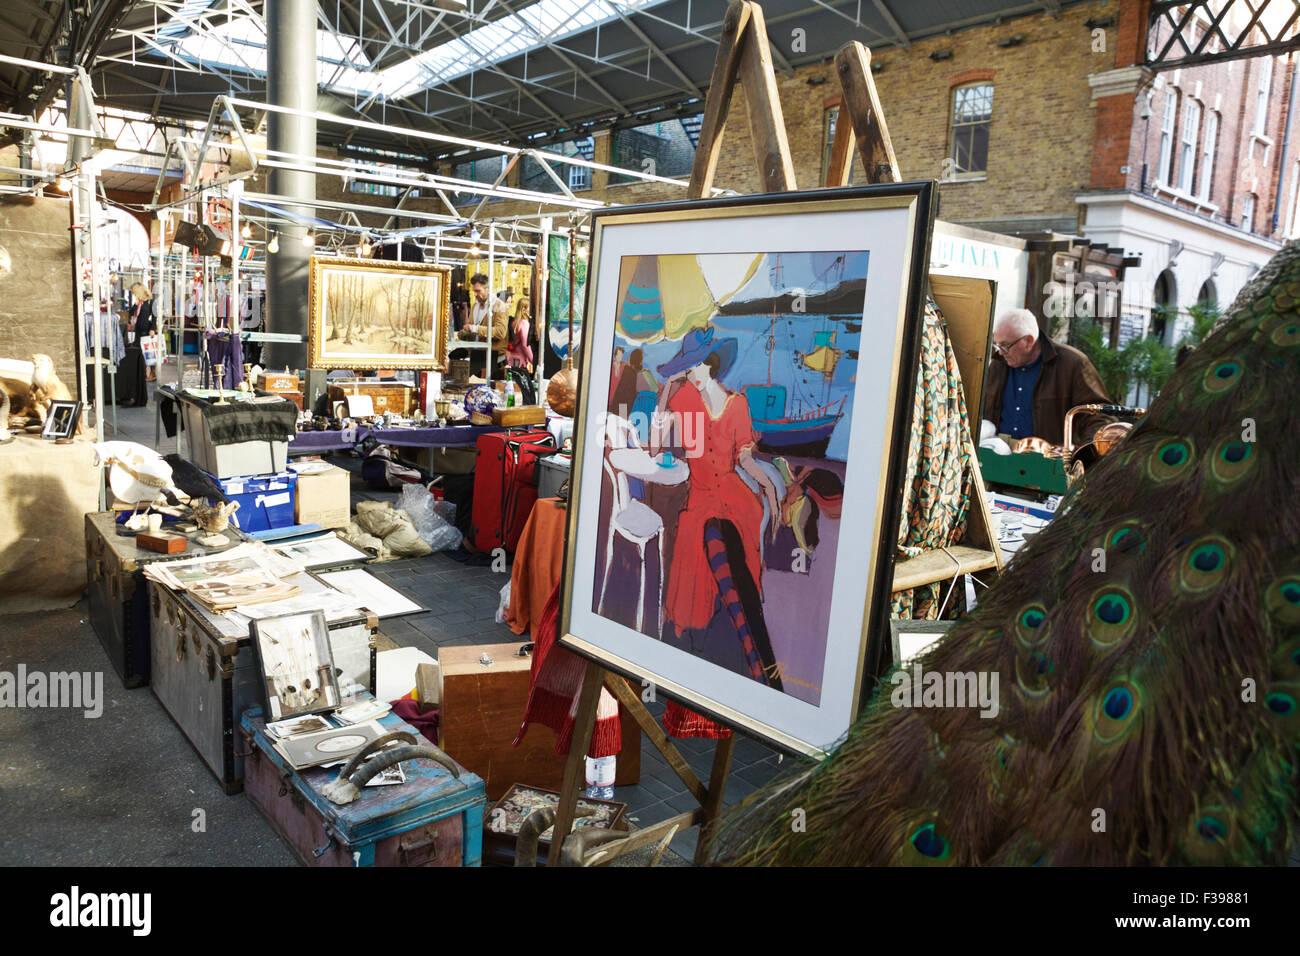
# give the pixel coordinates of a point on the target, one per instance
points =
(579, 177)
(1208, 149)
(1295, 201)
(1262, 90)
(1187, 153)
(1164, 168)
(1248, 213)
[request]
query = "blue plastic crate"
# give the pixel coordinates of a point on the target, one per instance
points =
(265, 501)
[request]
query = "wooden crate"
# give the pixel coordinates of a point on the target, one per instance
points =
(519, 415)
(395, 397)
(482, 708)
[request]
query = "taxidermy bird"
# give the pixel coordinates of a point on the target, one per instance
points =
(1147, 643)
(193, 481)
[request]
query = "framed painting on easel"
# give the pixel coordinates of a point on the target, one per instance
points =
(743, 428)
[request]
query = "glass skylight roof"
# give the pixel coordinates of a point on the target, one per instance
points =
(240, 44)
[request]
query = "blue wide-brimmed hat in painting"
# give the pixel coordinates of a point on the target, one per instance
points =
(696, 346)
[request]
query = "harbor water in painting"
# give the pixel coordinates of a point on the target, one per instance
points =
(731, 398)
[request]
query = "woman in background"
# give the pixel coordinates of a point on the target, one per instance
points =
(142, 320)
(520, 352)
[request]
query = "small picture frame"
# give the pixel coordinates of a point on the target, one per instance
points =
(61, 420)
(297, 664)
(910, 639)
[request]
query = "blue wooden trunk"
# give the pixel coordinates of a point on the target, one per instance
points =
(434, 819)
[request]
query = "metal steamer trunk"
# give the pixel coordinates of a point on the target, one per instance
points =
(434, 819)
(116, 593)
(205, 674)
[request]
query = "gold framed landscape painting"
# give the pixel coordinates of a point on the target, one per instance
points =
(369, 314)
(740, 450)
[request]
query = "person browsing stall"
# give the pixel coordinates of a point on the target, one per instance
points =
(1032, 382)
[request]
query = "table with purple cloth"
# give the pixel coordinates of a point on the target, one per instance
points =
(313, 443)
(451, 436)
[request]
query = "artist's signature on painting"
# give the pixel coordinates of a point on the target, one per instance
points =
(780, 670)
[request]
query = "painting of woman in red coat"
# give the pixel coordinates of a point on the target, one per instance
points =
(716, 565)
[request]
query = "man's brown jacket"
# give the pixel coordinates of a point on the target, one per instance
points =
(1066, 379)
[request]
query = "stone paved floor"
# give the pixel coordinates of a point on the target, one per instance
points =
(461, 600)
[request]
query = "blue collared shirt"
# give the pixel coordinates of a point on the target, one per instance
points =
(1018, 400)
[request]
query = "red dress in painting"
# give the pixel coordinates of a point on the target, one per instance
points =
(715, 491)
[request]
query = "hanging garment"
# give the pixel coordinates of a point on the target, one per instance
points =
(936, 486)
(226, 352)
(110, 340)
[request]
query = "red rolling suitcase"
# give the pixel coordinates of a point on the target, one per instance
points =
(505, 486)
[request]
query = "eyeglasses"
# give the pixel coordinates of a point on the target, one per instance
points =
(1004, 349)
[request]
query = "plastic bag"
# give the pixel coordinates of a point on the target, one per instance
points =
(430, 519)
(503, 606)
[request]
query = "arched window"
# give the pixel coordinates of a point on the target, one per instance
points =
(1208, 297)
(1164, 307)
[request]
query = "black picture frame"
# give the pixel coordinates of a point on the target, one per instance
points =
(263, 633)
(61, 420)
(919, 199)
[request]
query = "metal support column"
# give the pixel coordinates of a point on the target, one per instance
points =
(291, 82)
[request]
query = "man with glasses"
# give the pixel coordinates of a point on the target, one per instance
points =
(1032, 382)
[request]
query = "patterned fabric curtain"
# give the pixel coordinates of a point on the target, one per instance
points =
(936, 486)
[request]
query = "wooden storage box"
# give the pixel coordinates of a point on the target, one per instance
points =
(519, 415)
(501, 831)
(434, 819)
(278, 383)
(205, 674)
(395, 397)
(116, 594)
(482, 708)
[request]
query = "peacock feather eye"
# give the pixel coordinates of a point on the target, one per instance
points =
(1170, 459)
(1282, 599)
(1111, 617)
(929, 843)
(1221, 377)
(1231, 460)
(1031, 626)
(1114, 711)
(1032, 675)
(1211, 828)
(1126, 538)
(1204, 564)
(1286, 335)
(1280, 704)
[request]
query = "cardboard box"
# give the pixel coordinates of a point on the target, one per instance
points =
(325, 498)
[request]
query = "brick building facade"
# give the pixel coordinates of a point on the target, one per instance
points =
(1065, 143)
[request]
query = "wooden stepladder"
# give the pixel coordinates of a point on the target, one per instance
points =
(745, 57)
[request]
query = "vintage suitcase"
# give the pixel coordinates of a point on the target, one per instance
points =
(505, 485)
(116, 595)
(482, 708)
(434, 819)
(205, 674)
(395, 397)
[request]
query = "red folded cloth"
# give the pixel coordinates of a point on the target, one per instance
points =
(425, 722)
(556, 685)
(557, 677)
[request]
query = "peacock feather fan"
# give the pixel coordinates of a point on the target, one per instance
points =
(1147, 645)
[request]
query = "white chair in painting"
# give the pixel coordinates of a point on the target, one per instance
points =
(633, 521)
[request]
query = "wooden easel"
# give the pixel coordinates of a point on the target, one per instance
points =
(866, 130)
(744, 55)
